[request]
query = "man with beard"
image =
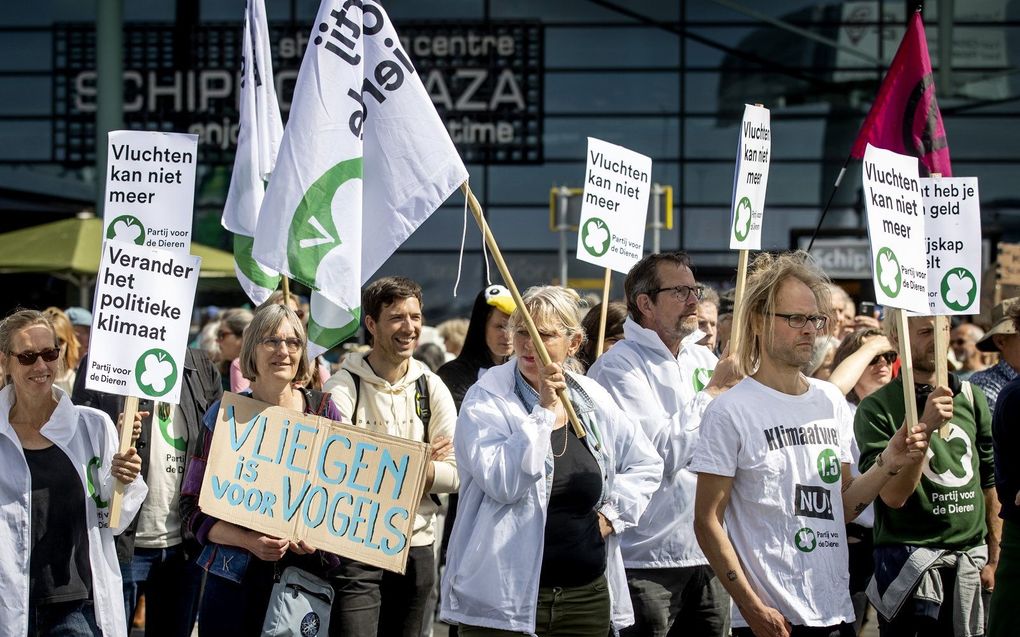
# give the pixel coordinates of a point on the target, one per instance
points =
(386, 390)
(773, 462)
(932, 521)
(661, 377)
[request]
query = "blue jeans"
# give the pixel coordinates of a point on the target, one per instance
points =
(171, 585)
(234, 608)
(64, 619)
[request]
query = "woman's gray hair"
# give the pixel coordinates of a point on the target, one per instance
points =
(236, 320)
(266, 320)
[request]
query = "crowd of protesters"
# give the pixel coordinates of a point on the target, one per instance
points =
(776, 490)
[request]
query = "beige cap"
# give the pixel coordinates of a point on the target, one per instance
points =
(1001, 324)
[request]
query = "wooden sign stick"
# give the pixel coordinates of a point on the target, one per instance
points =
(738, 301)
(529, 323)
(127, 428)
(906, 366)
(603, 313)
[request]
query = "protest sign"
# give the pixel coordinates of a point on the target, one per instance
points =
(150, 188)
(750, 179)
(612, 225)
(892, 197)
(339, 488)
(141, 321)
(952, 226)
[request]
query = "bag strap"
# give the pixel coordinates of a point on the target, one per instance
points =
(423, 403)
(357, 395)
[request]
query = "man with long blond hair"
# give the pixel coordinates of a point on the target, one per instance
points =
(773, 463)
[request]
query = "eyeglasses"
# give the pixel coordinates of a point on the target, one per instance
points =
(682, 292)
(798, 321)
(888, 357)
(222, 335)
(28, 358)
(272, 343)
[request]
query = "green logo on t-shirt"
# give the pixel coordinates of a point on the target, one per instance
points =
(953, 466)
(804, 540)
(828, 466)
(701, 377)
(91, 481)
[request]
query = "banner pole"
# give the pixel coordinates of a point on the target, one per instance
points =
(832, 195)
(603, 313)
(941, 364)
(127, 428)
(906, 366)
(286, 290)
(529, 323)
(738, 301)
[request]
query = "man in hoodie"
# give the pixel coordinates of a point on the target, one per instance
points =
(661, 377)
(386, 390)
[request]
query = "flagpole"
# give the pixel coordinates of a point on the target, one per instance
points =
(832, 195)
(529, 323)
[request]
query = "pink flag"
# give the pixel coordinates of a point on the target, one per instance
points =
(905, 117)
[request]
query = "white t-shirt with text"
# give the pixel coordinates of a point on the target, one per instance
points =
(159, 521)
(785, 515)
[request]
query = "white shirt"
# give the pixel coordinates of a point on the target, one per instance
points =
(663, 394)
(785, 515)
(159, 521)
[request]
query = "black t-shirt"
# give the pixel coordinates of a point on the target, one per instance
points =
(575, 553)
(60, 570)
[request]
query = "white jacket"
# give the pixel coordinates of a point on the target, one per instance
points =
(495, 553)
(662, 393)
(84, 435)
(390, 409)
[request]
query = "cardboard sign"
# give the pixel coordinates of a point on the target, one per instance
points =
(342, 489)
(617, 182)
(952, 225)
(150, 188)
(141, 320)
(751, 179)
(892, 197)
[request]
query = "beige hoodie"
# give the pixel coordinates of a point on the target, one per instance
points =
(390, 409)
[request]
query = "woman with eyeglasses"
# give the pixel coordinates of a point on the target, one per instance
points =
(229, 336)
(241, 561)
(58, 565)
(318, 373)
(535, 548)
(862, 364)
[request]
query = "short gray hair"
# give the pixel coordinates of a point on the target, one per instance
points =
(266, 320)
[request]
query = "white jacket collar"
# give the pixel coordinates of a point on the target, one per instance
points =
(649, 339)
(61, 426)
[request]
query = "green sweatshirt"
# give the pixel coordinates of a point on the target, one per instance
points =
(947, 509)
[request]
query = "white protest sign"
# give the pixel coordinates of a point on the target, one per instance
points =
(140, 321)
(150, 188)
(611, 231)
(892, 197)
(952, 226)
(298, 476)
(750, 179)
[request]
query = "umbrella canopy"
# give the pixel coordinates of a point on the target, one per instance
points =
(70, 249)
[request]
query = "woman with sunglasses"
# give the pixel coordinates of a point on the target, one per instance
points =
(241, 562)
(229, 336)
(862, 364)
(58, 565)
(70, 353)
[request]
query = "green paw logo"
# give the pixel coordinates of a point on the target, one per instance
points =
(959, 289)
(595, 237)
(701, 377)
(805, 540)
(950, 461)
(155, 372)
(128, 229)
(888, 268)
(742, 224)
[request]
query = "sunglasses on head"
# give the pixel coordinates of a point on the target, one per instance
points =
(890, 358)
(28, 358)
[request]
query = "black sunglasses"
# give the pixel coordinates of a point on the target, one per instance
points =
(28, 358)
(890, 358)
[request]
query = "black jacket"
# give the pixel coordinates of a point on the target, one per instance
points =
(200, 387)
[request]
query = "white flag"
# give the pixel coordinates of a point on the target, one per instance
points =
(260, 130)
(364, 161)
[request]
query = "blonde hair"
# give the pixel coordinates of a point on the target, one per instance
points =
(766, 275)
(65, 333)
(551, 305)
(14, 323)
(266, 320)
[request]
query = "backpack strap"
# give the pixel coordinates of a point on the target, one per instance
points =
(357, 396)
(422, 403)
(968, 391)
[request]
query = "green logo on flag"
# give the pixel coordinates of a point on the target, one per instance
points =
(312, 231)
(959, 289)
(128, 229)
(742, 224)
(155, 372)
(887, 269)
(595, 237)
(248, 266)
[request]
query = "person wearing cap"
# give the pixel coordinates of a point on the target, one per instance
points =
(1001, 338)
(81, 321)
